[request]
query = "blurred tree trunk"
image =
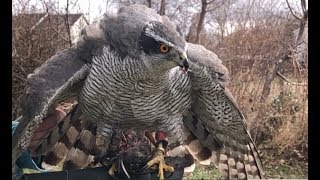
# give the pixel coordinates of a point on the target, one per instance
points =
(204, 5)
(269, 78)
(149, 3)
(162, 7)
(303, 20)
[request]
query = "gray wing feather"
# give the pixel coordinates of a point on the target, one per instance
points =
(205, 58)
(216, 120)
(57, 80)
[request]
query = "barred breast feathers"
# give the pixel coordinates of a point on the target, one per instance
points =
(124, 88)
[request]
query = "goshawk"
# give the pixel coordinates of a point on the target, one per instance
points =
(133, 70)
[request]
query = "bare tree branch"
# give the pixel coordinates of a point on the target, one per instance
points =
(19, 77)
(74, 4)
(47, 7)
(67, 23)
(178, 9)
(249, 9)
(210, 2)
(212, 9)
(292, 11)
(68, 40)
(55, 30)
(289, 81)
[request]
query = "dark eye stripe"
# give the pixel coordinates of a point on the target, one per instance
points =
(148, 44)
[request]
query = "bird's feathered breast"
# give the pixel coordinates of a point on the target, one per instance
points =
(124, 90)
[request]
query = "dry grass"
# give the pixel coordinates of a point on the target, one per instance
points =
(291, 107)
(276, 108)
(279, 124)
(284, 110)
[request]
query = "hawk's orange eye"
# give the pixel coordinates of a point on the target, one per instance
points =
(164, 48)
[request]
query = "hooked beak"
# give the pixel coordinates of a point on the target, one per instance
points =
(184, 65)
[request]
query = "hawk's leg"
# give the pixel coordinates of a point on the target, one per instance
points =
(158, 155)
(103, 143)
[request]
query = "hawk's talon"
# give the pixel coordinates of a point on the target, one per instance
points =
(158, 158)
(113, 169)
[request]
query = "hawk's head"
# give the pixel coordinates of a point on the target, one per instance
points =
(161, 47)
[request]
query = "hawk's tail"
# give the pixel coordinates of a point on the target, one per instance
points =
(79, 155)
(73, 118)
(74, 148)
(233, 162)
(56, 154)
(71, 140)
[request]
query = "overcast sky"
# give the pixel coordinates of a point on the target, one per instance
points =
(93, 9)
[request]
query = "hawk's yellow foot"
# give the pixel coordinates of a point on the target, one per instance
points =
(113, 169)
(158, 158)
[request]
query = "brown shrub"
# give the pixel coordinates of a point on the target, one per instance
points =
(279, 118)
